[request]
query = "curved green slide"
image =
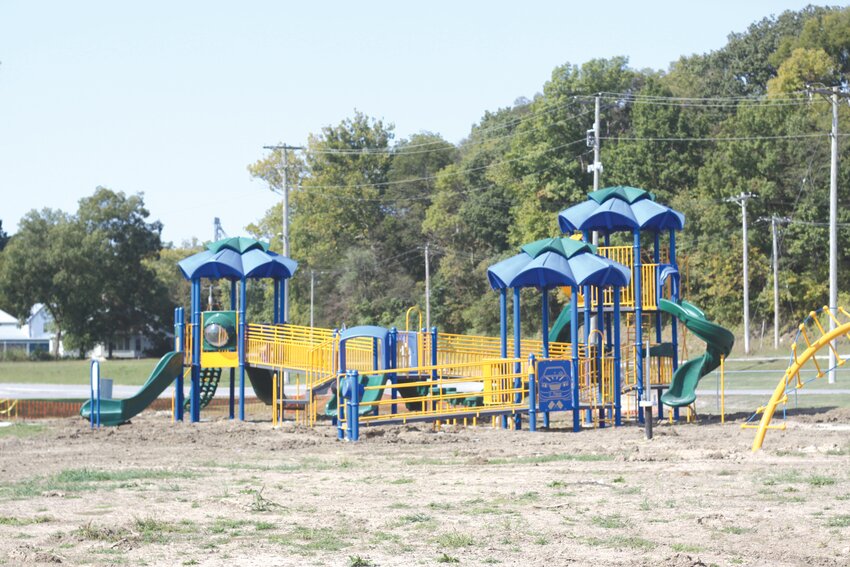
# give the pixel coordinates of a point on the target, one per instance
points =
(718, 344)
(262, 382)
(560, 331)
(116, 412)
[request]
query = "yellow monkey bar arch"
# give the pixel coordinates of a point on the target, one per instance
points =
(791, 379)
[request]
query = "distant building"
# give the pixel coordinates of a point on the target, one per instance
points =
(33, 336)
(28, 338)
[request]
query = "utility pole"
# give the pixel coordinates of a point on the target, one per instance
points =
(284, 149)
(775, 284)
(834, 94)
(742, 200)
(597, 171)
(597, 165)
(312, 289)
(218, 231)
(427, 288)
(774, 220)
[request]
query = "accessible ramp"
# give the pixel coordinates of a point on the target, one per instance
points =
(718, 344)
(116, 412)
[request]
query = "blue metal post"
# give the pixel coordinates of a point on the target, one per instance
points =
(545, 353)
(638, 323)
(532, 395)
(517, 354)
(232, 390)
(195, 390)
(503, 320)
(241, 346)
(340, 407)
(281, 319)
(618, 379)
(393, 363)
(588, 302)
(600, 324)
(276, 303)
(574, 354)
(179, 334)
(433, 404)
(354, 414)
(657, 257)
(674, 323)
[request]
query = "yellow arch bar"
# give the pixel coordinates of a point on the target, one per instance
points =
(790, 373)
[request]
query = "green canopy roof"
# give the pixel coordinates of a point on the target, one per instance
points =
(627, 194)
(566, 247)
(240, 244)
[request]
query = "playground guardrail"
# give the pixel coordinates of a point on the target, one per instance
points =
(437, 392)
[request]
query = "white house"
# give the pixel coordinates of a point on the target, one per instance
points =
(29, 337)
(32, 336)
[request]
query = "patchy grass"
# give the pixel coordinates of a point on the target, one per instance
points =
(455, 540)
(611, 522)
(260, 503)
(82, 480)
(357, 561)
(686, 548)
(22, 430)
(417, 518)
(555, 458)
(842, 521)
(735, 530)
(402, 481)
(786, 477)
(622, 542)
(818, 480)
(308, 540)
(14, 521)
(446, 558)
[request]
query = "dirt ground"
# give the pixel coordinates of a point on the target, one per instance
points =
(226, 493)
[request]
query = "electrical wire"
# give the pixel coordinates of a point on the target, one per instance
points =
(404, 150)
(710, 139)
(441, 175)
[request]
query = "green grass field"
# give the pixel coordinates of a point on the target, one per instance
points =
(123, 372)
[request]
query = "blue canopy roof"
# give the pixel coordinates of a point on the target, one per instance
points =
(551, 269)
(250, 259)
(364, 331)
(620, 208)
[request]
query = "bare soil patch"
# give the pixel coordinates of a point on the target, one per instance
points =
(230, 493)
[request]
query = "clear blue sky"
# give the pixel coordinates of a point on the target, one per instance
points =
(175, 99)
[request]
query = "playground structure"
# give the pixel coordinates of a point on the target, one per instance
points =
(803, 352)
(593, 361)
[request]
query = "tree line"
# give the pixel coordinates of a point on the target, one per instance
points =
(365, 204)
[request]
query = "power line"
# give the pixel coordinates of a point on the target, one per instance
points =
(441, 175)
(711, 139)
(403, 150)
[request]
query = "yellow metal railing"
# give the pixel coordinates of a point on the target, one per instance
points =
(625, 255)
(448, 395)
(462, 349)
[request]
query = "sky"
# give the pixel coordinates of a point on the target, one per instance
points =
(176, 99)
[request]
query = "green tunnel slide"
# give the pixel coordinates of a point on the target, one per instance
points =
(718, 340)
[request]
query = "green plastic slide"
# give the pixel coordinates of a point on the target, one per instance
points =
(261, 381)
(718, 344)
(116, 412)
(560, 331)
(369, 396)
